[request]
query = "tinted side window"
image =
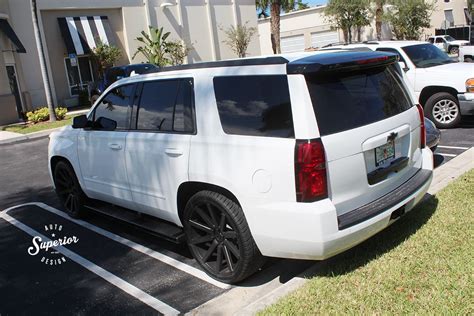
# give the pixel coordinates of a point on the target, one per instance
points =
(166, 105)
(254, 105)
(114, 106)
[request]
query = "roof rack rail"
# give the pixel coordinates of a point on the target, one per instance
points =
(273, 60)
(373, 42)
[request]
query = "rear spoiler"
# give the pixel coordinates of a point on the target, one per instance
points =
(340, 61)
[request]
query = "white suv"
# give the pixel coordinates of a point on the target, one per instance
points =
(444, 87)
(294, 156)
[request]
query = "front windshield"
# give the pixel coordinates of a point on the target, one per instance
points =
(427, 55)
(449, 38)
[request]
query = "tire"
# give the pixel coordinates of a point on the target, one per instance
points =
(219, 238)
(468, 60)
(454, 50)
(443, 109)
(69, 190)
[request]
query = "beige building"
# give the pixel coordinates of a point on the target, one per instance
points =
(69, 29)
(308, 28)
(448, 13)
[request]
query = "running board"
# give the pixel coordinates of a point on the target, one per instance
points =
(149, 224)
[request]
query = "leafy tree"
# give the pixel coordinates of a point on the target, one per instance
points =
(348, 14)
(160, 51)
(409, 17)
(276, 6)
(177, 52)
(105, 56)
(238, 38)
(155, 48)
(299, 5)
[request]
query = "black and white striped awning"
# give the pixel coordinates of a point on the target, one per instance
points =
(6, 28)
(83, 33)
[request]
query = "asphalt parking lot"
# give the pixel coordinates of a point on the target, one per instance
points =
(105, 266)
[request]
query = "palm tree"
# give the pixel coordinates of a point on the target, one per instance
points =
(42, 60)
(276, 6)
(378, 17)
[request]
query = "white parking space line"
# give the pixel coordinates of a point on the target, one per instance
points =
(104, 274)
(446, 155)
(453, 147)
(145, 250)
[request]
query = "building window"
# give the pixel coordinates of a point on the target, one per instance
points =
(79, 73)
(448, 15)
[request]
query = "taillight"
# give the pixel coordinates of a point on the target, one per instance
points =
(310, 171)
(422, 126)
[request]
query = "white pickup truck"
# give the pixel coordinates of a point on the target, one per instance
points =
(466, 53)
(444, 87)
(447, 43)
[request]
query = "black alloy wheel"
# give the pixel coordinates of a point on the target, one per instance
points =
(219, 238)
(69, 190)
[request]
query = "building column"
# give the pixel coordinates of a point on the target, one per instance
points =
(211, 31)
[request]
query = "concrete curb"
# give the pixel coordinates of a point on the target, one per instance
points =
(29, 137)
(37, 135)
(238, 301)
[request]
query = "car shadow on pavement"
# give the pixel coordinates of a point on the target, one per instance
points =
(29, 194)
(437, 160)
(379, 244)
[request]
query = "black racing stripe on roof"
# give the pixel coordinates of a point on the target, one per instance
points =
(276, 60)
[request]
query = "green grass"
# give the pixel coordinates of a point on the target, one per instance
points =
(31, 128)
(422, 264)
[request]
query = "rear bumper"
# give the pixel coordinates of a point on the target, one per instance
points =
(466, 103)
(314, 231)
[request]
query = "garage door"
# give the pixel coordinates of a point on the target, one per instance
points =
(321, 39)
(292, 44)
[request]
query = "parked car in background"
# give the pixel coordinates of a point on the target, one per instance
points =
(447, 43)
(433, 135)
(444, 87)
(116, 73)
(293, 156)
(466, 54)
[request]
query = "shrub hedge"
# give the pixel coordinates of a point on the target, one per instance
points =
(42, 114)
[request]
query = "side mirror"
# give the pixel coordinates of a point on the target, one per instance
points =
(106, 124)
(80, 121)
(404, 66)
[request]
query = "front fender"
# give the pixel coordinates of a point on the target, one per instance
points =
(63, 144)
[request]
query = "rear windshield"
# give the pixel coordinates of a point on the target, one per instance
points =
(346, 100)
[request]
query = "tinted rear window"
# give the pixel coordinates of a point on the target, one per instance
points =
(254, 105)
(343, 101)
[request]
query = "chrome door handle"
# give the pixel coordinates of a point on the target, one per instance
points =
(173, 152)
(115, 146)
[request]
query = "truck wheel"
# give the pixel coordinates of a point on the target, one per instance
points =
(219, 238)
(69, 190)
(454, 50)
(443, 109)
(468, 59)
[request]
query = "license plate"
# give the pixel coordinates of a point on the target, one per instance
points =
(384, 153)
